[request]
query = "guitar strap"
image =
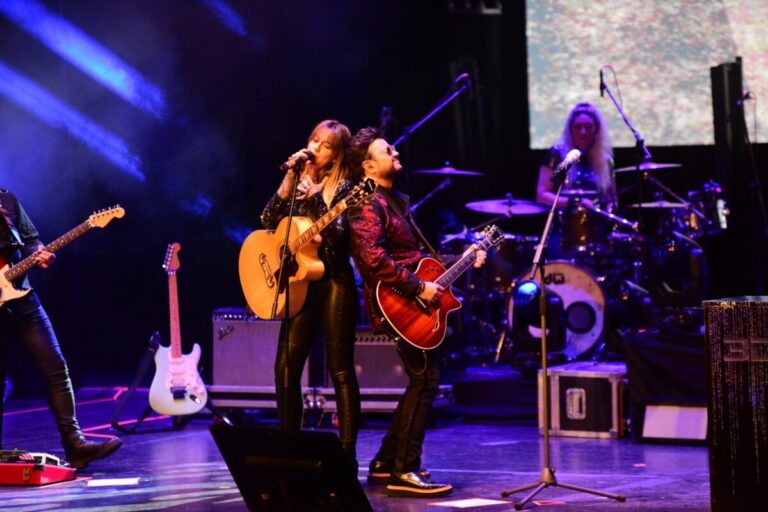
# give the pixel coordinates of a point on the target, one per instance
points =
(415, 231)
(15, 236)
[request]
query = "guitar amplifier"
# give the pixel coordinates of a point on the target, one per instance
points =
(244, 349)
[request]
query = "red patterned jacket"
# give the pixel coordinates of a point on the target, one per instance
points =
(384, 247)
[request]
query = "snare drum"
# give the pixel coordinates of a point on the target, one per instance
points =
(583, 301)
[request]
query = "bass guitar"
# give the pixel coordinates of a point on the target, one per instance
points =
(260, 263)
(420, 324)
(10, 273)
(177, 388)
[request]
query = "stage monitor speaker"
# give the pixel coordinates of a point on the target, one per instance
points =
(280, 470)
(678, 422)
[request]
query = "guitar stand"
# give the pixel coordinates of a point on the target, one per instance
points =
(178, 422)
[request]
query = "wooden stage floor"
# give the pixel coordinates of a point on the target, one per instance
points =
(183, 469)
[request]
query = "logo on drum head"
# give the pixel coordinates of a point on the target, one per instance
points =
(554, 278)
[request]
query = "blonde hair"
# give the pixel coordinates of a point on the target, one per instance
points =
(600, 155)
(339, 138)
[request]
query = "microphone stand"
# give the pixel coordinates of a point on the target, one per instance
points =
(412, 128)
(547, 477)
(284, 338)
(446, 182)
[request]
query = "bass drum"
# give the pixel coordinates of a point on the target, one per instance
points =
(583, 305)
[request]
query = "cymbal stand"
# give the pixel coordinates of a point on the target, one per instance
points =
(547, 477)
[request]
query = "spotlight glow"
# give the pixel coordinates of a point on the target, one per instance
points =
(69, 42)
(39, 102)
(227, 15)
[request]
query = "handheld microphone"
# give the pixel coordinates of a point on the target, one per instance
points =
(571, 158)
(299, 162)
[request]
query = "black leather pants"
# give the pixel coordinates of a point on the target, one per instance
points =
(25, 321)
(402, 445)
(330, 309)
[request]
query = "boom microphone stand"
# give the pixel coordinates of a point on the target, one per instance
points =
(547, 478)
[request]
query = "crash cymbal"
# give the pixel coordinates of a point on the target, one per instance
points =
(648, 167)
(656, 204)
(579, 192)
(448, 171)
(506, 207)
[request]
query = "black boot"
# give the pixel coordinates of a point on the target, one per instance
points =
(80, 452)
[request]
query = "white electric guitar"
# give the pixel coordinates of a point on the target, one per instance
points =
(177, 388)
(10, 273)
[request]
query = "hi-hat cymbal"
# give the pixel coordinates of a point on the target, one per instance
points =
(506, 206)
(448, 171)
(656, 204)
(648, 167)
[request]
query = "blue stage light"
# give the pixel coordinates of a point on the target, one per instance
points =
(39, 102)
(69, 42)
(227, 15)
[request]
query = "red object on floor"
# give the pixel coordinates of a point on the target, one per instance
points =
(31, 473)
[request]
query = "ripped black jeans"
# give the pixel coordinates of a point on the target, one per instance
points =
(330, 309)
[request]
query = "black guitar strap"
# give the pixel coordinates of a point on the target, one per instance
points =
(415, 231)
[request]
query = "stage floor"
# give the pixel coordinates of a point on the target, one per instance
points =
(183, 470)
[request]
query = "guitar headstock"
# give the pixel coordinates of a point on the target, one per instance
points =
(101, 218)
(361, 192)
(171, 262)
(492, 236)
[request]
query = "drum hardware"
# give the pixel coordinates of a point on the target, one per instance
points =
(580, 192)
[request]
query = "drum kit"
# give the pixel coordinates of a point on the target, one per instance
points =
(597, 273)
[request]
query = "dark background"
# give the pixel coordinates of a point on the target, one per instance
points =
(237, 105)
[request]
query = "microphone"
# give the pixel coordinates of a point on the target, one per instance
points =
(744, 97)
(299, 162)
(602, 83)
(571, 158)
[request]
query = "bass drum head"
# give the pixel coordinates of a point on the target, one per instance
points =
(583, 305)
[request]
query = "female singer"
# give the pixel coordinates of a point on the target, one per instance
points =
(332, 302)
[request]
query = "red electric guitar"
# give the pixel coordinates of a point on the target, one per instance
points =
(423, 325)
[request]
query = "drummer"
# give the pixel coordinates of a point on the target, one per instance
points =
(586, 131)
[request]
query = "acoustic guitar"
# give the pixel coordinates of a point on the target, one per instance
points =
(260, 262)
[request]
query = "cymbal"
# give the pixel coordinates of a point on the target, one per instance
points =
(648, 167)
(506, 206)
(579, 192)
(656, 204)
(448, 171)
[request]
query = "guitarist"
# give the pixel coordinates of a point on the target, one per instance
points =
(25, 321)
(387, 247)
(331, 304)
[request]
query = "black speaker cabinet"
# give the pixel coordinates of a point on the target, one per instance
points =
(244, 349)
(737, 353)
(279, 470)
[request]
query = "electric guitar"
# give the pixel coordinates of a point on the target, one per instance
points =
(10, 273)
(421, 324)
(177, 388)
(260, 258)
